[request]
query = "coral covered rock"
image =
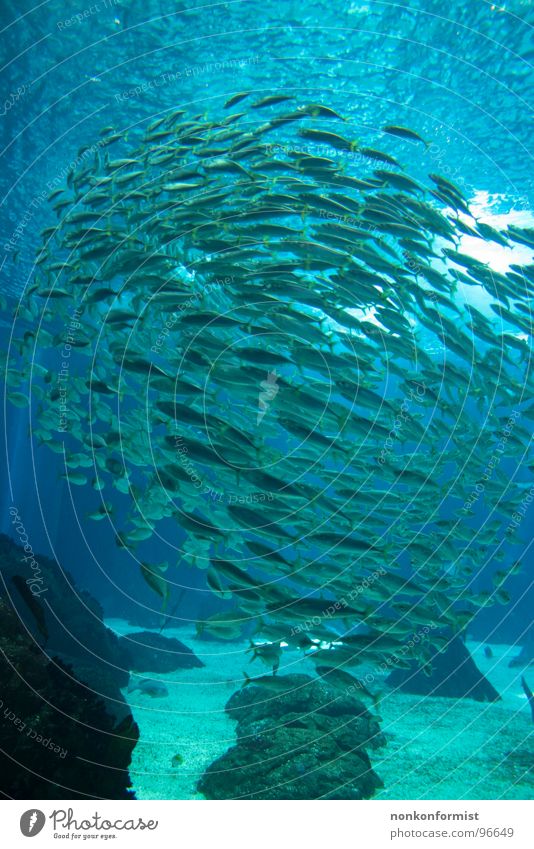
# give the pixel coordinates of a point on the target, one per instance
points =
(65, 621)
(57, 740)
(302, 740)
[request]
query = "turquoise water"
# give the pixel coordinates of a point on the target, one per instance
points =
(459, 76)
(458, 73)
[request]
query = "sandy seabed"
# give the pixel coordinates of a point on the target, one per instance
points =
(436, 748)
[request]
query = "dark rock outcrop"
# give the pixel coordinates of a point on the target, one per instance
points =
(451, 673)
(57, 740)
(304, 740)
(65, 621)
(146, 651)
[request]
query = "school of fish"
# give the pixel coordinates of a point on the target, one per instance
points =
(257, 331)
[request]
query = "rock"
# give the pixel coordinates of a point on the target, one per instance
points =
(57, 739)
(452, 674)
(66, 622)
(307, 742)
(146, 651)
(525, 656)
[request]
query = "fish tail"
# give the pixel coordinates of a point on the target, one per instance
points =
(527, 690)
(529, 694)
